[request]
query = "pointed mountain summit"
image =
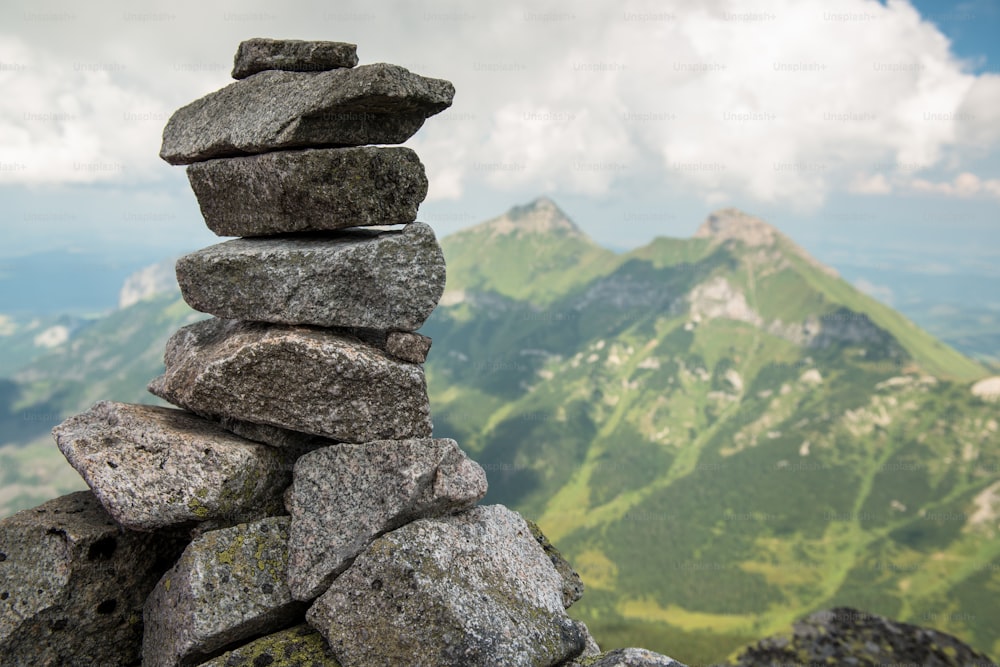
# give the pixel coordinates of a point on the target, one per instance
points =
(732, 223)
(532, 252)
(542, 216)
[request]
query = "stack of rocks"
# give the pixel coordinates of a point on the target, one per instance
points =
(295, 509)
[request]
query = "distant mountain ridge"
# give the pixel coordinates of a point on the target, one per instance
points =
(720, 434)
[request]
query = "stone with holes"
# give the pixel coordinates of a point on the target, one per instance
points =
(153, 467)
(300, 645)
(345, 496)
(72, 584)
(471, 589)
(227, 587)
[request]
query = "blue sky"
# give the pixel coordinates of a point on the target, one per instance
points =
(855, 124)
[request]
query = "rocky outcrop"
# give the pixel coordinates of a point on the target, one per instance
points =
(387, 281)
(845, 636)
(73, 584)
(479, 579)
(309, 190)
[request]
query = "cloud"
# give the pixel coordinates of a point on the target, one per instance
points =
(62, 123)
(881, 292)
(786, 105)
(964, 185)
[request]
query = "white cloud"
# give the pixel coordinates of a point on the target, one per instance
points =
(964, 185)
(881, 292)
(876, 184)
(787, 103)
(72, 123)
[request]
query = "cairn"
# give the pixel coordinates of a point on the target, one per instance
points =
(295, 508)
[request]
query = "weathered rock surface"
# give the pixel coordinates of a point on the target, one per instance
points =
(627, 657)
(291, 55)
(315, 189)
(345, 496)
(845, 636)
(412, 347)
(274, 436)
(274, 110)
(296, 378)
(72, 584)
(363, 279)
(572, 584)
(300, 646)
(478, 579)
(228, 586)
(153, 467)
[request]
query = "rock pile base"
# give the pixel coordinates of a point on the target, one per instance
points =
(296, 509)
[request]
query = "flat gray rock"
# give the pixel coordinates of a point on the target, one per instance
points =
(299, 646)
(357, 279)
(297, 378)
(291, 55)
(315, 189)
(72, 584)
(227, 587)
(153, 467)
(345, 496)
(412, 347)
(274, 110)
(472, 589)
(627, 657)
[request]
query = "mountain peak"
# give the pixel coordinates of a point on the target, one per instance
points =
(732, 223)
(541, 216)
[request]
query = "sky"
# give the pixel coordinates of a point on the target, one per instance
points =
(860, 128)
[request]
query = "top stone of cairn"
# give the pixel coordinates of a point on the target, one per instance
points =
(292, 55)
(274, 110)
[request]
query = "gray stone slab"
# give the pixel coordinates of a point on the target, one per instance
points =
(345, 496)
(297, 378)
(472, 589)
(72, 584)
(315, 189)
(273, 110)
(227, 587)
(153, 467)
(291, 55)
(357, 279)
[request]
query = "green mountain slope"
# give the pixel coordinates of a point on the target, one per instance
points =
(532, 253)
(113, 357)
(723, 436)
(718, 432)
